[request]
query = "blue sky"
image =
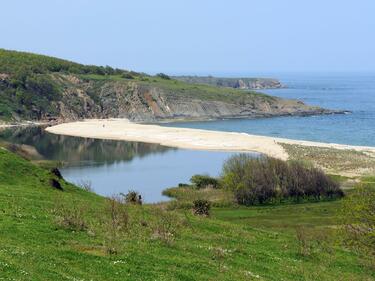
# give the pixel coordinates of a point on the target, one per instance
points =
(197, 37)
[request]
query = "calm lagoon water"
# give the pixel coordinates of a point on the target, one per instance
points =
(354, 92)
(117, 166)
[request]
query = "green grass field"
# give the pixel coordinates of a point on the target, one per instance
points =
(48, 234)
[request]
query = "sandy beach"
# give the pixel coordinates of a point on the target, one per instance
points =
(122, 129)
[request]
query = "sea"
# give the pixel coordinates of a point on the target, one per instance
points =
(352, 92)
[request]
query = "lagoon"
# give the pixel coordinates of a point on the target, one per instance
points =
(118, 166)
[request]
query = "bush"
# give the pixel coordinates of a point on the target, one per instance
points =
(163, 76)
(132, 197)
(203, 181)
(55, 171)
(55, 184)
(127, 76)
(201, 207)
(268, 180)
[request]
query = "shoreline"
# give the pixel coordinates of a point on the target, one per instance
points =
(26, 124)
(186, 138)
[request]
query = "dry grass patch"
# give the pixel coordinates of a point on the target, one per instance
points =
(336, 161)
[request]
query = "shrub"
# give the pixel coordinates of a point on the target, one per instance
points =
(55, 171)
(132, 197)
(268, 180)
(201, 207)
(55, 184)
(127, 75)
(163, 76)
(203, 181)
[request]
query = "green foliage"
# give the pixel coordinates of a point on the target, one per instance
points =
(267, 180)
(203, 181)
(163, 76)
(29, 96)
(127, 76)
(21, 64)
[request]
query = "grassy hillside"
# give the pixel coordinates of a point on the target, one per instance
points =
(47, 234)
(27, 86)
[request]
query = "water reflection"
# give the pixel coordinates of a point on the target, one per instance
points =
(75, 151)
(117, 166)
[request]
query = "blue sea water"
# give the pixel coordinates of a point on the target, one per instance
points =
(354, 92)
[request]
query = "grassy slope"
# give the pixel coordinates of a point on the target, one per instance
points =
(234, 244)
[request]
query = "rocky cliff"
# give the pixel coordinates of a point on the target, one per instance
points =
(155, 101)
(237, 83)
(41, 88)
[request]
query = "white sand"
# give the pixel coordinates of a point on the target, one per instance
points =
(122, 129)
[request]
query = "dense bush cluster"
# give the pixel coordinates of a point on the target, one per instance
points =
(12, 62)
(268, 180)
(163, 76)
(28, 95)
(203, 181)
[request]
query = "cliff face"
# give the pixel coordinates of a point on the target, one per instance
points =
(154, 102)
(237, 83)
(41, 88)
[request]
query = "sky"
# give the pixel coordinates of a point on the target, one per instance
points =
(196, 36)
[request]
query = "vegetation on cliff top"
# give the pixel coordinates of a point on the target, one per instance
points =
(241, 83)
